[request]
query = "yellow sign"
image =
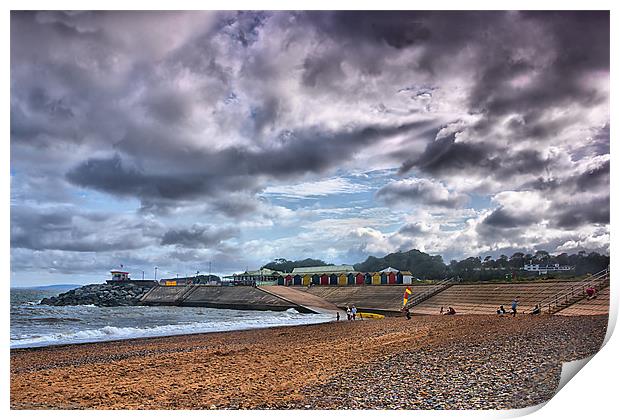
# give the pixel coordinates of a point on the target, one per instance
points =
(171, 282)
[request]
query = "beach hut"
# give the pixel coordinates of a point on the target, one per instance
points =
(280, 281)
(333, 279)
(407, 277)
(306, 280)
(376, 278)
(383, 278)
(297, 280)
(368, 278)
(351, 278)
(324, 279)
(342, 279)
(399, 278)
(288, 280)
(359, 278)
(391, 277)
(316, 279)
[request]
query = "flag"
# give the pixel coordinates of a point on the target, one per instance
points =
(406, 296)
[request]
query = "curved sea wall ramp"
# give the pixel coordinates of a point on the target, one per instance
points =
(376, 298)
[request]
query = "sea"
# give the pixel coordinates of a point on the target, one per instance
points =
(36, 325)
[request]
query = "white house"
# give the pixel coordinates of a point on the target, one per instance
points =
(546, 268)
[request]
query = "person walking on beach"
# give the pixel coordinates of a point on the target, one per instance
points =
(441, 311)
(348, 313)
(337, 315)
(407, 314)
(353, 312)
(514, 305)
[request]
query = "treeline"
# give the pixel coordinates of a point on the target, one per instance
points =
(425, 266)
(487, 268)
(421, 264)
(286, 266)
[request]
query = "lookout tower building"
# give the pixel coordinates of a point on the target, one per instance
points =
(119, 275)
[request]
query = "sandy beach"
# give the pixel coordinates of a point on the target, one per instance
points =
(429, 362)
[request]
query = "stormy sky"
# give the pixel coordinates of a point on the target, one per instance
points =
(175, 139)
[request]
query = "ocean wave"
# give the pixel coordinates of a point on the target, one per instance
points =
(110, 333)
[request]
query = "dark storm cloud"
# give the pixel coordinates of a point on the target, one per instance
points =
(586, 212)
(197, 236)
(594, 179)
(204, 173)
(502, 218)
(421, 191)
(445, 155)
(558, 81)
(66, 229)
(412, 230)
(396, 29)
(580, 42)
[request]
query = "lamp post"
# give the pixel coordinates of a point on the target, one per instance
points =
(155, 273)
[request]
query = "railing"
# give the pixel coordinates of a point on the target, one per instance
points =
(185, 292)
(575, 291)
(439, 287)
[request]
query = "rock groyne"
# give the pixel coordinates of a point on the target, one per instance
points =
(126, 294)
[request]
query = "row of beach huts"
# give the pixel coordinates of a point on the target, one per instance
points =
(331, 275)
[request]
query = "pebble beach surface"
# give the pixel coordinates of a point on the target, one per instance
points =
(428, 362)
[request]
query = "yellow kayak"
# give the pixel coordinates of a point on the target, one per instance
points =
(370, 315)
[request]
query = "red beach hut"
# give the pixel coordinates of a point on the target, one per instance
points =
(391, 277)
(324, 280)
(359, 278)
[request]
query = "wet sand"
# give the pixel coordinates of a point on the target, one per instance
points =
(427, 362)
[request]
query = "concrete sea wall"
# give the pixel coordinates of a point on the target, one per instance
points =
(224, 297)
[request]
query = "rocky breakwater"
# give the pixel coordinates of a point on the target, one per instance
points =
(126, 294)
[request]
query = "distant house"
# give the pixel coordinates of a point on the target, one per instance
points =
(407, 277)
(186, 281)
(255, 276)
(546, 268)
(119, 275)
(122, 277)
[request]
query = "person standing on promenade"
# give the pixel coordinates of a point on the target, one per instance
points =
(353, 311)
(348, 313)
(514, 305)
